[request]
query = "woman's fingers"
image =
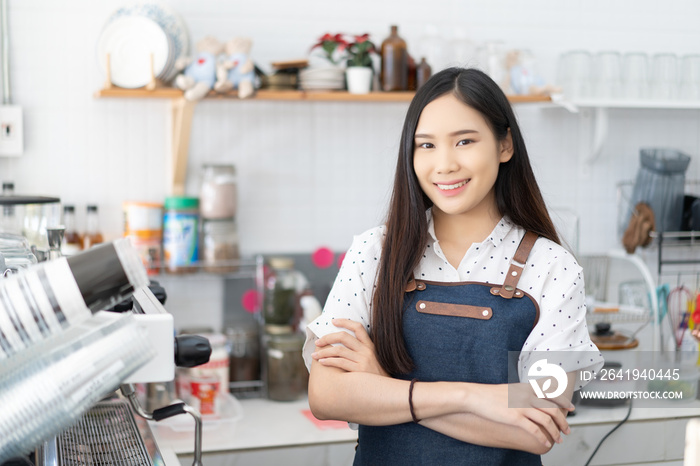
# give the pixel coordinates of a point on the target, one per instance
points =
(344, 338)
(545, 420)
(357, 328)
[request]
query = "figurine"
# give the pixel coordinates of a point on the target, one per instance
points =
(236, 70)
(199, 73)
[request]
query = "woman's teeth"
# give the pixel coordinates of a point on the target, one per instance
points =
(452, 186)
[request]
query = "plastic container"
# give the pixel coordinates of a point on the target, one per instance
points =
(181, 234)
(218, 198)
(287, 376)
(143, 226)
(660, 183)
(220, 250)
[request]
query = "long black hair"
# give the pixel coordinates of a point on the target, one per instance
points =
(516, 191)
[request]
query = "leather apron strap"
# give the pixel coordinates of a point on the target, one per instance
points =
(517, 265)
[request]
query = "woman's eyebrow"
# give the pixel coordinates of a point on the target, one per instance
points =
(454, 133)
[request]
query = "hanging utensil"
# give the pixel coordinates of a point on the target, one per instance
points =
(679, 300)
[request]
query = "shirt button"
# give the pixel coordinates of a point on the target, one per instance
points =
(485, 313)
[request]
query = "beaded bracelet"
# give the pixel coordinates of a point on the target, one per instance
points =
(410, 401)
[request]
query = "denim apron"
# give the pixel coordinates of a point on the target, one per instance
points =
(460, 332)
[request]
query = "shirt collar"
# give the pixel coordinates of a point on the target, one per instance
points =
(503, 227)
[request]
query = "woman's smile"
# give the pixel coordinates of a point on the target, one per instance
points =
(452, 188)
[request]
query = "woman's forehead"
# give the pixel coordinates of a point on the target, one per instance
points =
(447, 114)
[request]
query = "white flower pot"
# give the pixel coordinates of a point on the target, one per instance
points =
(359, 79)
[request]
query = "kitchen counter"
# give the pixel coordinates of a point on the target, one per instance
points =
(655, 434)
(265, 425)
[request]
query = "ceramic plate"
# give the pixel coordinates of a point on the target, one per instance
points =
(130, 41)
(169, 21)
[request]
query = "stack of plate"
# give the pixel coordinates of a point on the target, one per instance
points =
(322, 78)
(136, 32)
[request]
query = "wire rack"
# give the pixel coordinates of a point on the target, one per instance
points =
(105, 435)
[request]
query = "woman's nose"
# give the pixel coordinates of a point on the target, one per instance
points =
(446, 161)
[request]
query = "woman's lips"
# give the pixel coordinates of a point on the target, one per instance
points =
(451, 188)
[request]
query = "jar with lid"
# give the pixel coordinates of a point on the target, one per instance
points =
(220, 251)
(218, 198)
(287, 377)
(181, 234)
(283, 286)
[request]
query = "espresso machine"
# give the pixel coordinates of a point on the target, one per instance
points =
(76, 335)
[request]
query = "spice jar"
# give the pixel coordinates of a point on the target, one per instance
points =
(220, 246)
(218, 196)
(282, 287)
(287, 377)
(180, 234)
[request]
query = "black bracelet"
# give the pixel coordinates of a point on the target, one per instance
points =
(410, 401)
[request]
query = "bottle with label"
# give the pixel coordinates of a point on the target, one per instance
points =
(71, 238)
(181, 234)
(394, 72)
(92, 234)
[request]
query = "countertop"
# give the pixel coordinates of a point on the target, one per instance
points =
(265, 424)
(269, 424)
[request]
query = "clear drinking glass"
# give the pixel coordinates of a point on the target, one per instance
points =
(575, 74)
(607, 81)
(635, 75)
(690, 77)
(664, 76)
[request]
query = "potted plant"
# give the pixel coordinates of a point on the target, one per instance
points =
(359, 71)
(332, 48)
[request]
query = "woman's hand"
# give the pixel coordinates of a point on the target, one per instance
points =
(516, 404)
(353, 354)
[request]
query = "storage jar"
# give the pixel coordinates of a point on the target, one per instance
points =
(180, 234)
(218, 195)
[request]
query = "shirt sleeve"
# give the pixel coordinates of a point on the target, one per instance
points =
(351, 294)
(561, 334)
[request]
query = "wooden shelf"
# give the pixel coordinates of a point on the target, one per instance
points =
(312, 96)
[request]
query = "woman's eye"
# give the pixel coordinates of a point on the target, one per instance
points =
(426, 145)
(464, 142)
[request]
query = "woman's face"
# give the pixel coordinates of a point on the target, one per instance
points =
(456, 157)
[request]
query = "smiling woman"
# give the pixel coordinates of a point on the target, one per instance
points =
(414, 340)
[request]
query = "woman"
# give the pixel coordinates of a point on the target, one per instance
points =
(415, 337)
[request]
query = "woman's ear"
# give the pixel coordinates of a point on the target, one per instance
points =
(506, 146)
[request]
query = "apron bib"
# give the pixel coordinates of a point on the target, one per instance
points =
(457, 332)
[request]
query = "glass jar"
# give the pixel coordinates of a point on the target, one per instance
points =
(218, 196)
(220, 251)
(244, 353)
(287, 377)
(181, 234)
(282, 288)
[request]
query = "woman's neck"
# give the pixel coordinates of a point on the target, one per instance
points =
(456, 233)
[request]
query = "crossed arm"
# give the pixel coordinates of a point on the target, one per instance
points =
(347, 383)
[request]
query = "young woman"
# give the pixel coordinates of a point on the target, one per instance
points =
(414, 341)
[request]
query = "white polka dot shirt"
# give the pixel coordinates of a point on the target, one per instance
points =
(551, 276)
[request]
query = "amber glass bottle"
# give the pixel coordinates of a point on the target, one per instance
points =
(423, 72)
(71, 239)
(92, 234)
(394, 73)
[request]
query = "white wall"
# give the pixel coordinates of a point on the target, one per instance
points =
(313, 174)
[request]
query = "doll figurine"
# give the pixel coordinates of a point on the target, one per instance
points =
(199, 73)
(236, 71)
